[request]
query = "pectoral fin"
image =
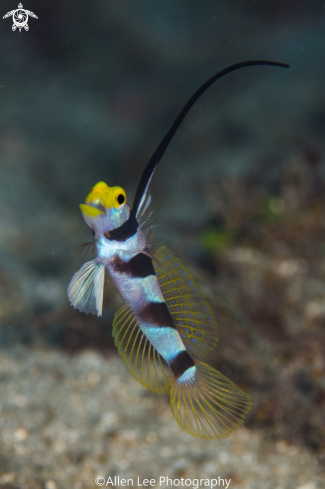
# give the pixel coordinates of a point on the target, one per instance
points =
(85, 291)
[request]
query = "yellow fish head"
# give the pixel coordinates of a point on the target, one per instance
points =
(102, 198)
(104, 207)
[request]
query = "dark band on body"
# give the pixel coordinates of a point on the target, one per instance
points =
(181, 363)
(157, 314)
(140, 266)
(125, 231)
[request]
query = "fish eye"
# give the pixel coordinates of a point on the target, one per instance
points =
(120, 199)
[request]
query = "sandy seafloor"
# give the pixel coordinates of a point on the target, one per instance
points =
(65, 421)
(86, 95)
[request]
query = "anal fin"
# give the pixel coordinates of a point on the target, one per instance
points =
(141, 358)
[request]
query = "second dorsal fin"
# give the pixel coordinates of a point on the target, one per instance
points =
(187, 305)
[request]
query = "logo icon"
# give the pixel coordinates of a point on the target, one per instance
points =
(20, 18)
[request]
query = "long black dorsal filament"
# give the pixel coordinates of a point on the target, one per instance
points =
(156, 157)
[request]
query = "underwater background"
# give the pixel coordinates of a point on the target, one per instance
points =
(86, 95)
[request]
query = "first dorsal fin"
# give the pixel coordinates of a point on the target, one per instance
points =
(141, 358)
(147, 173)
(187, 305)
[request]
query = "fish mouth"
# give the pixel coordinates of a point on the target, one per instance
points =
(93, 210)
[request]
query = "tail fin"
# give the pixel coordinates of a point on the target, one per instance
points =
(207, 404)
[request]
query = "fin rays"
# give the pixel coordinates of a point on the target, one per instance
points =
(85, 290)
(84, 248)
(141, 358)
(189, 309)
(208, 405)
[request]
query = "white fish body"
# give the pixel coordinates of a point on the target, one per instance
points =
(166, 326)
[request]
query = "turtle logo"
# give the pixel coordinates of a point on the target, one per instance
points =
(20, 18)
